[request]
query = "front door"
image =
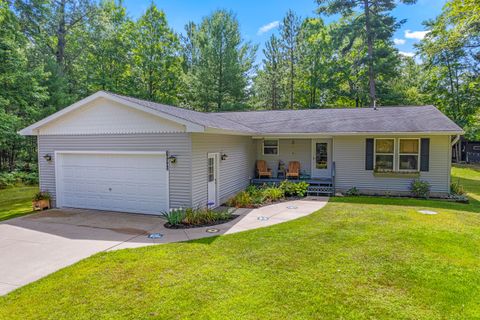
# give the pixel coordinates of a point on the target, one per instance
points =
(322, 159)
(212, 180)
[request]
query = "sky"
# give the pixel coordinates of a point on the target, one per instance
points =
(259, 19)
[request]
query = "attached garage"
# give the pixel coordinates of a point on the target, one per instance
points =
(115, 181)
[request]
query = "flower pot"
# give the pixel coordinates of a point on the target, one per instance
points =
(41, 204)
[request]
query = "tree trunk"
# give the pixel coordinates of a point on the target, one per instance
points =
(291, 77)
(371, 73)
(61, 32)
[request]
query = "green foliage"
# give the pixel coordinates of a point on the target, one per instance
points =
(294, 189)
(456, 189)
(42, 195)
(219, 63)
(420, 189)
(195, 216)
(352, 192)
(254, 196)
(15, 178)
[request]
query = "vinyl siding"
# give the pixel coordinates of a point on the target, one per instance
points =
(178, 144)
(290, 150)
(234, 173)
(349, 157)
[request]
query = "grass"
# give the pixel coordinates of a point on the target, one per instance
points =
(16, 202)
(358, 258)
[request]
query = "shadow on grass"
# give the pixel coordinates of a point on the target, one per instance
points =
(472, 206)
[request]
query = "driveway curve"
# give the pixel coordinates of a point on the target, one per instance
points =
(36, 245)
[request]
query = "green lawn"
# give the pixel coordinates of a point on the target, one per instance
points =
(358, 258)
(15, 202)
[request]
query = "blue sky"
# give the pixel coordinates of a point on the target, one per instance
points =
(253, 15)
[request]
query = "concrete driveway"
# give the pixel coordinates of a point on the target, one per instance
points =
(36, 245)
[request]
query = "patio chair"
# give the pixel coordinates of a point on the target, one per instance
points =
(293, 170)
(263, 170)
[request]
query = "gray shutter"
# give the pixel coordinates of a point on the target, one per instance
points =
(424, 154)
(369, 154)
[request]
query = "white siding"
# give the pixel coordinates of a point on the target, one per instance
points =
(176, 144)
(349, 157)
(103, 116)
(290, 150)
(234, 173)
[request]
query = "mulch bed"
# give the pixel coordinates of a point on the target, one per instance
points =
(189, 226)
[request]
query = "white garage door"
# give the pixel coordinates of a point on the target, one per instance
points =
(126, 182)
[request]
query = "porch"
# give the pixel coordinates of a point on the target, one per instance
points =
(314, 156)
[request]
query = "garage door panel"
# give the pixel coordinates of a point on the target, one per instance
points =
(116, 182)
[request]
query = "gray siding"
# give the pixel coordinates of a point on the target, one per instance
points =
(234, 172)
(290, 150)
(178, 144)
(349, 157)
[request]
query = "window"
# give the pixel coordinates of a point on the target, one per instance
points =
(384, 154)
(211, 169)
(270, 147)
(321, 156)
(409, 154)
(476, 148)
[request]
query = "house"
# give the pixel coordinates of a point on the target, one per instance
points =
(466, 151)
(113, 152)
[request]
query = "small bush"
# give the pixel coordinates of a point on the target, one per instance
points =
(352, 192)
(420, 189)
(241, 200)
(174, 216)
(294, 189)
(457, 189)
(272, 194)
(42, 195)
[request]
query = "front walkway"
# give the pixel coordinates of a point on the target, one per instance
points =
(36, 245)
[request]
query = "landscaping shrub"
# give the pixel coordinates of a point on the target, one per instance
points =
(456, 189)
(42, 195)
(294, 189)
(191, 217)
(272, 194)
(420, 189)
(352, 192)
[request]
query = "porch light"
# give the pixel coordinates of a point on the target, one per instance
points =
(47, 157)
(224, 156)
(172, 158)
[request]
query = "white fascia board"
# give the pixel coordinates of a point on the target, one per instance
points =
(32, 129)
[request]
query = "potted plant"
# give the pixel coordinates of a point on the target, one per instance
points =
(41, 200)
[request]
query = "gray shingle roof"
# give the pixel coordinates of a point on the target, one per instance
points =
(326, 121)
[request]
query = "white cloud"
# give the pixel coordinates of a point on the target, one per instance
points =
(268, 27)
(399, 41)
(407, 54)
(419, 35)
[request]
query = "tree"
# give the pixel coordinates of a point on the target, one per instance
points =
(268, 82)
(451, 60)
(156, 59)
(108, 53)
(377, 24)
(221, 63)
(21, 95)
(289, 34)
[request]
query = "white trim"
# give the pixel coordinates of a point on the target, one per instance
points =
(33, 129)
(382, 153)
(418, 154)
(216, 160)
(58, 161)
(271, 154)
(366, 133)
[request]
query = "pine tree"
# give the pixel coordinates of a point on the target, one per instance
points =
(289, 35)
